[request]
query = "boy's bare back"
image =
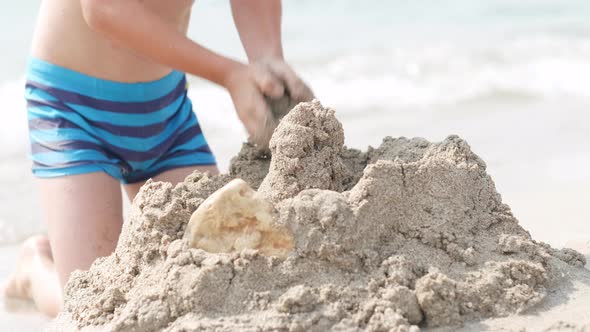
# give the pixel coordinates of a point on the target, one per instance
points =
(61, 22)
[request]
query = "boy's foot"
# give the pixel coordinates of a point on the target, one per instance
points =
(19, 283)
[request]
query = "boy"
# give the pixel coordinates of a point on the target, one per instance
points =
(107, 104)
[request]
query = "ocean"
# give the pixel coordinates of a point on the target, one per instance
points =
(510, 77)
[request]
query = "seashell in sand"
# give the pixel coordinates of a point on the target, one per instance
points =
(234, 218)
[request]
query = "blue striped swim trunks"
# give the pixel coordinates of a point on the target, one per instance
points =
(132, 131)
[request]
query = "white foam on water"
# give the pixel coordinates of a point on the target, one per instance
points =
(453, 74)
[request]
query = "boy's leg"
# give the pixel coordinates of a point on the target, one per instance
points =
(174, 176)
(84, 218)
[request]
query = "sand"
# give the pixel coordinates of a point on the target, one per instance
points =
(405, 236)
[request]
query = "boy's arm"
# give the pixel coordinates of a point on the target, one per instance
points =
(259, 26)
(131, 24)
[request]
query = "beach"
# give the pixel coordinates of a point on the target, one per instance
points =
(555, 309)
(405, 236)
(511, 79)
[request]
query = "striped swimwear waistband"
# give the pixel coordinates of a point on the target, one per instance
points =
(132, 131)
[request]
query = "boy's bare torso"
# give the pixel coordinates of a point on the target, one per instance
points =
(62, 37)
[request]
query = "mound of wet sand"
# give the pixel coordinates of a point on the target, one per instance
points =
(408, 235)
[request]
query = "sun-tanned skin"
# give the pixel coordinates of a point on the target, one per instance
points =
(135, 41)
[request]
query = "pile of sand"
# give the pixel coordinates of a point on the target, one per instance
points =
(409, 234)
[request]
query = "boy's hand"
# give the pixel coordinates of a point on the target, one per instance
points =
(246, 85)
(295, 87)
(249, 84)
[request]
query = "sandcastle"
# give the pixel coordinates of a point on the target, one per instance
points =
(405, 236)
